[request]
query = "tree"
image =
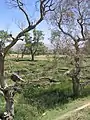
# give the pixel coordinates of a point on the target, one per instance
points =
(4, 37)
(55, 41)
(32, 42)
(42, 49)
(20, 50)
(60, 43)
(72, 18)
(9, 91)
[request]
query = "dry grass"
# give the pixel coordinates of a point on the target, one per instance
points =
(77, 114)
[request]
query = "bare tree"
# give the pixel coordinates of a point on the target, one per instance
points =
(20, 50)
(60, 43)
(72, 18)
(9, 91)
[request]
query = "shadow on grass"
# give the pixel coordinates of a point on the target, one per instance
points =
(85, 92)
(46, 98)
(18, 60)
(21, 59)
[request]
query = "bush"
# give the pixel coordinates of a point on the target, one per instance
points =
(46, 98)
(25, 112)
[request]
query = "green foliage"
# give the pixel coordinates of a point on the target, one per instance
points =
(2, 105)
(58, 112)
(42, 49)
(46, 97)
(4, 36)
(85, 91)
(37, 99)
(25, 112)
(32, 40)
(55, 36)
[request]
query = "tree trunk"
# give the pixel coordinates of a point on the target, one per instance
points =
(2, 81)
(75, 77)
(9, 103)
(75, 82)
(23, 52)
(22, 55)
(7, 94)
(76, 74)
(32, 57)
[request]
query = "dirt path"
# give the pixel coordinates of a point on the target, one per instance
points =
(73, 111)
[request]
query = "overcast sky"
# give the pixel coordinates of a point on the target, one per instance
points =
(9, 17)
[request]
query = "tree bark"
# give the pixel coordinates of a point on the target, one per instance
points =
(22, 55)
(7, 94)
(75, 82)
(2, 81)
(75, 77)
(9, 98)
(32, 57)
(23, 52)
(32, 53)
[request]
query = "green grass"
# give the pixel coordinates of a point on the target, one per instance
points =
(53, 114)
(44, 101)
(2, 105)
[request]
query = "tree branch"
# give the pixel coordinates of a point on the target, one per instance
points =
(20, 5)
(43, 12)
(66, 33)
(80, 21)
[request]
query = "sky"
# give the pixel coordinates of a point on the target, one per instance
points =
(10, 17)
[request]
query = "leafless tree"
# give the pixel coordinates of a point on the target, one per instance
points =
(9, 91)
(60, 43)
(72, 18)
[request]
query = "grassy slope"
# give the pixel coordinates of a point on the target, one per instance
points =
(50, 99)
(81, 115)
(59, 111)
